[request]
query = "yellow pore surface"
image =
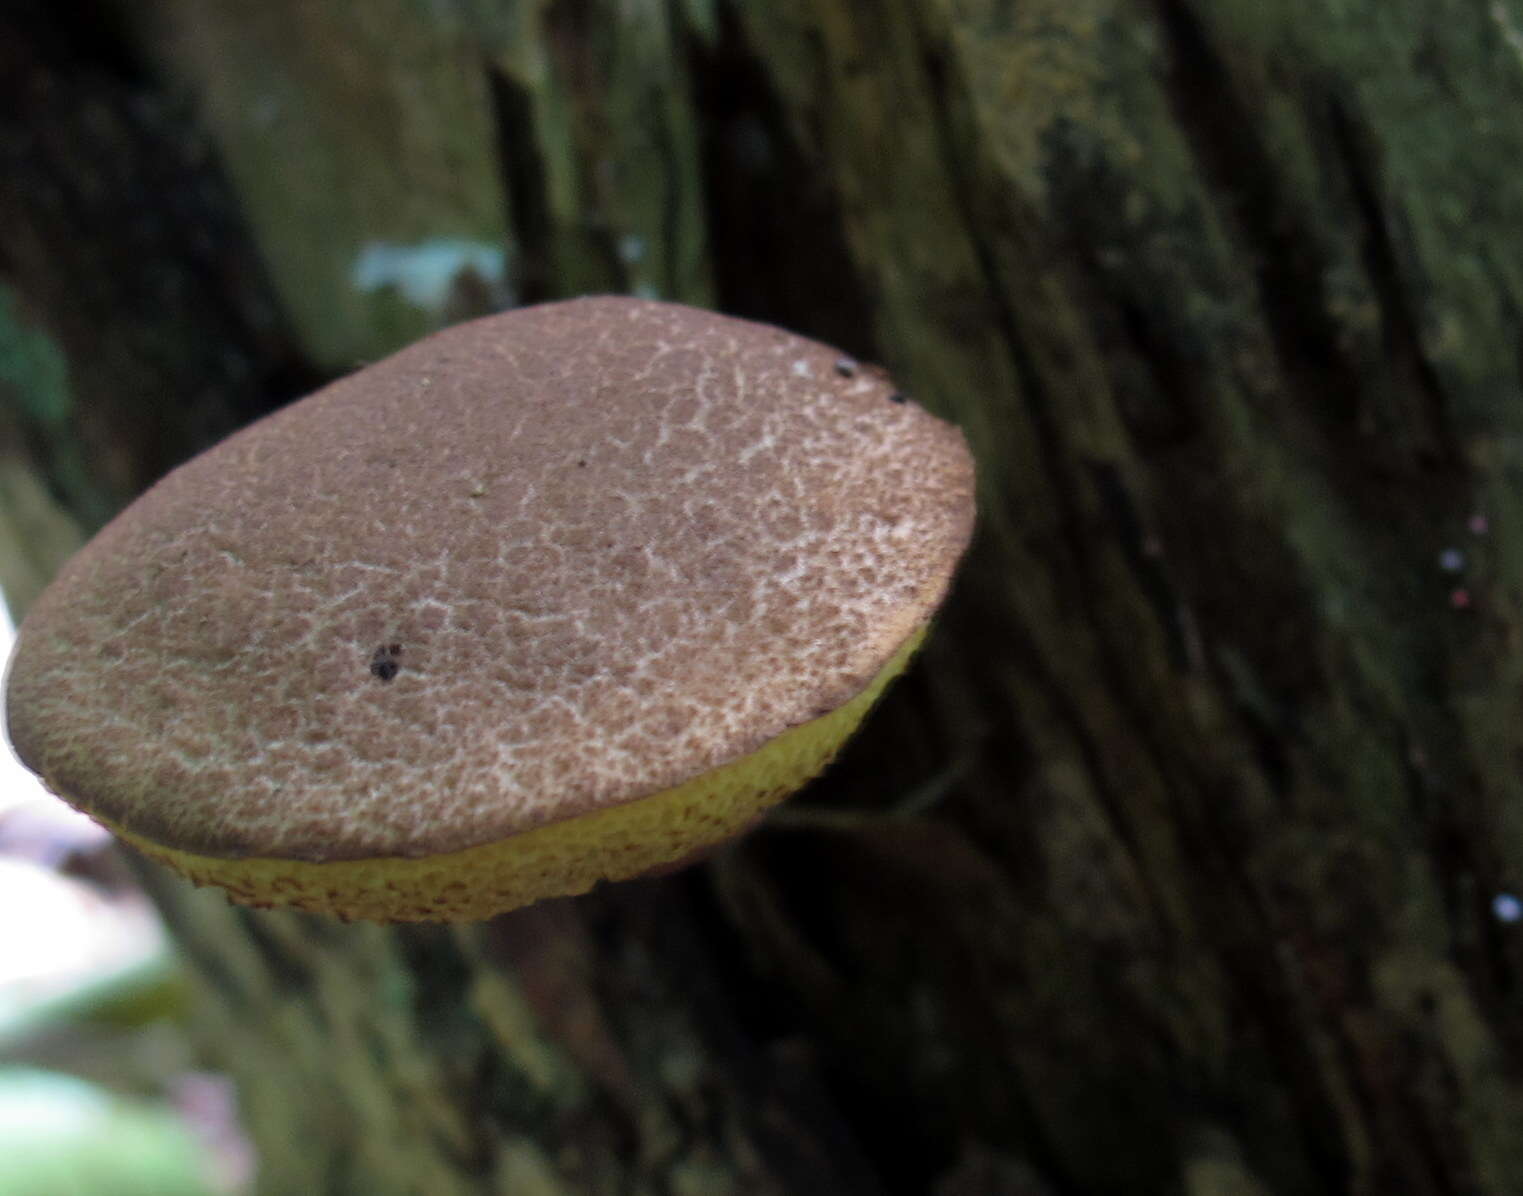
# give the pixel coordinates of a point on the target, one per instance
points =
(559, 859)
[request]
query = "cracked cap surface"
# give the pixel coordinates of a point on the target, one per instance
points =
(534, 566)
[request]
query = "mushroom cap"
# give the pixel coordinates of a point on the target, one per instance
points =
(533, 567)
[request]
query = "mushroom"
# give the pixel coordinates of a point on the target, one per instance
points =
(566, 594)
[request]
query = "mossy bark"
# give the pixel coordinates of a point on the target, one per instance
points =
(1173, 867)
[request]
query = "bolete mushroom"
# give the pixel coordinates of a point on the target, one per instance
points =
(556, 596)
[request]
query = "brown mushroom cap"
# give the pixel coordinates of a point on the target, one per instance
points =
(536, 565)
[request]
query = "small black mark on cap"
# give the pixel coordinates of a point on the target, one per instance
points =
(898, 396)
(846, 367)
(384, 663)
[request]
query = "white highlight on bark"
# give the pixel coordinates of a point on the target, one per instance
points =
(1512, 34)
(424, 273)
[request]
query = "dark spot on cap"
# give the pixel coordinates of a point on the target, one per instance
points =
(581, 464)
(846, 367)
(898, 396)
(384, 663)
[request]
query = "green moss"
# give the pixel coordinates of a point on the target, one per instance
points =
(344, 126)
(33, 369)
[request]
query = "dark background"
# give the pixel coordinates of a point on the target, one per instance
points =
(1174, 864)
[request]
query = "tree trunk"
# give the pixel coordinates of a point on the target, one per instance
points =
(1182, 862)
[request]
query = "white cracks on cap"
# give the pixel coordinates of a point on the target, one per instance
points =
(504, 605)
